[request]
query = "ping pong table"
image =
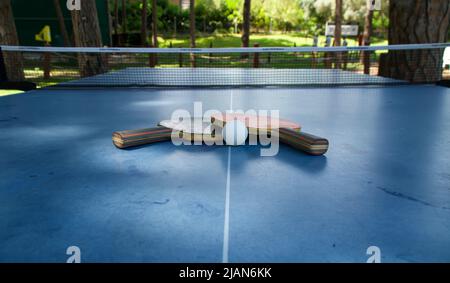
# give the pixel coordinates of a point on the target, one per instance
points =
(384, 181)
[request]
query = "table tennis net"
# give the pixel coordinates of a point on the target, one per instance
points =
(216, 67)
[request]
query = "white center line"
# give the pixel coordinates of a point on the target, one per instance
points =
(226, 225)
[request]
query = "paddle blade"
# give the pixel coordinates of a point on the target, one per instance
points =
(130, 138)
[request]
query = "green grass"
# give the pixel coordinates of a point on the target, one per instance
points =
(9, 92)
(234, 40)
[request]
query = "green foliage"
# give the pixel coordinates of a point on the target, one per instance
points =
(308, 17)
(265, 40)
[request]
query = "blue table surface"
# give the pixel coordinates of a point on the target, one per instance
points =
(385, 181)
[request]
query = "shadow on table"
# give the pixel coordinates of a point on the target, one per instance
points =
(302, 161)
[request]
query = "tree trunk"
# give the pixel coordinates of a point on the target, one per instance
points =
(246, 24)
(124, 22)
(338, 23)
(144, 24)
(62, 23)
(153, 56)
(175, 26)
(86, 31)
(338, 33)
(417, 21)
(366, 39)
(110, 27)
(155, 23)
(116, 21)
(192, 29)
(8, 36)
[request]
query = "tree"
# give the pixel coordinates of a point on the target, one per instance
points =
(233, 11)
(155, 23)
(246, 24)
(411, 22)
(110, 24)
(192, 22)
(368, 27)
(86, 30)
(153, 57)
(202, 8)
(192, 29)
(338, 23)
(284, 14)
(318, 12)
(366, 39)
(260, 20)
(8, 36)
(124, 17)
(61, 22)
(116, 20)
(338, 32)
(144, 24)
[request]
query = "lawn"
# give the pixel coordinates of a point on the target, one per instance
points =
(234, 40)
(9, 92)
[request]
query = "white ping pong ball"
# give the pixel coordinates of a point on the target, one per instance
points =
(235, 133)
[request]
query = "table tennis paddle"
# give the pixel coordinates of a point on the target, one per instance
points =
(255, 123)
(288, 131)
(303, 141)
(131, 138)
(192, 130)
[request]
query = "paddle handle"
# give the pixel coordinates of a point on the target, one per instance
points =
(303, 141)
(132, 138)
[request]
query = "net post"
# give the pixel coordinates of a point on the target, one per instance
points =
(366, 62)
(314, 55)
(47, 63)
(327, 60)
(192, 59)
(210, 54)
(345, 59)
(3, 75)
(383, 65)
(337, 57)
(295, 45)
(180, 56)
(180, 60)
(152, 59)
(106, 61)
(256, 57)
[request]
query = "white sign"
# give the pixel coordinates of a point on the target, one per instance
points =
(347, 30)
(446, 59)
(374, 5)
